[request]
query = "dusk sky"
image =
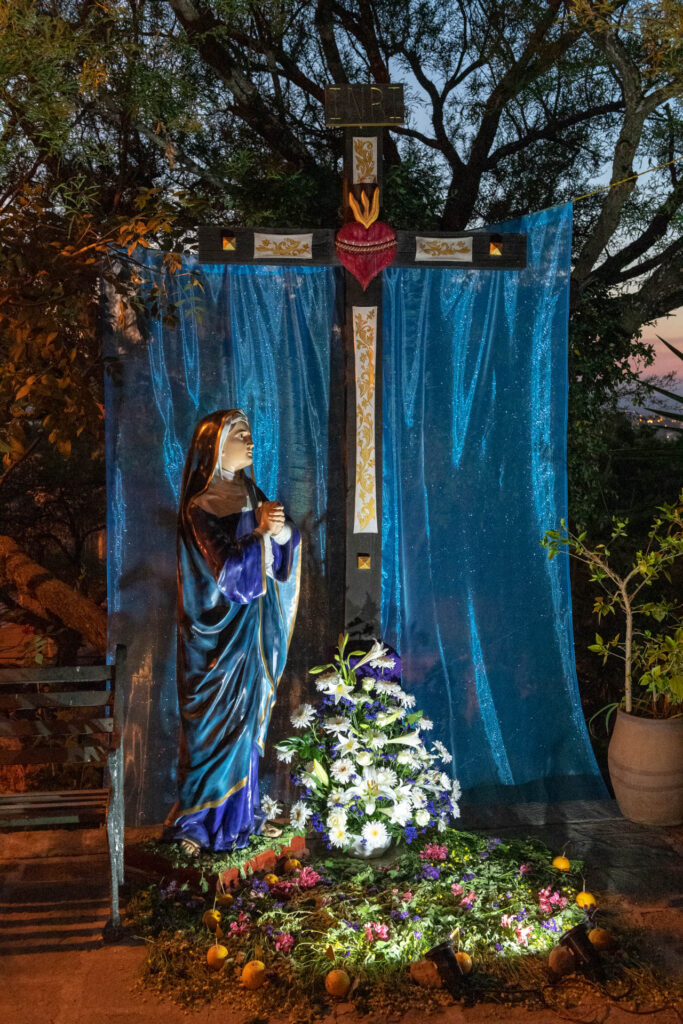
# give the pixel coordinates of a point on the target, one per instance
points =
(670, 328)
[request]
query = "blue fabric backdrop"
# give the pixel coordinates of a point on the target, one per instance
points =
(475, 416)
(475, 394)
(263, 339)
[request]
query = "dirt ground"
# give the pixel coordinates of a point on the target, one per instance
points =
(55, 968)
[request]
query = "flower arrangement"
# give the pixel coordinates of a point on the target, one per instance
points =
(366, 775)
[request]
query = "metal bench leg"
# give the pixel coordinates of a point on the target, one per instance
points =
(115, 833)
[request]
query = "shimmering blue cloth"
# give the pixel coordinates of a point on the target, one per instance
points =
(264, 339)
(475, 413)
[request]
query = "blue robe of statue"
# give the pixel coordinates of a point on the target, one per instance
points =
(234, 626)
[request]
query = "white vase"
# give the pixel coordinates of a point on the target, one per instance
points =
(358, 849)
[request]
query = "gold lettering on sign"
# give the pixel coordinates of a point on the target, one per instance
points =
(364, 161)
(456, 250)
(364, 343)
(289, 247)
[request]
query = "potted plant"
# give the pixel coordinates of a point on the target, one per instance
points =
(645, 753)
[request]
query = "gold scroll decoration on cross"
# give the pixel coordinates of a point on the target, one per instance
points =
(451, 250)
(365, 346)
(364, 160)
(288, 247)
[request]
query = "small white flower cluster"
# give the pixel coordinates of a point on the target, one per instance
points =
(363, 761)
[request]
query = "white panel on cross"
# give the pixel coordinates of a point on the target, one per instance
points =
(365, 347)
(443, 250)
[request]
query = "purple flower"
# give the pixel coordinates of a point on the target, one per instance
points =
(484, 856)
(418, 935)
(468, 877)
(498, 946)
(430, 871)
(410, 833)
(416, 917)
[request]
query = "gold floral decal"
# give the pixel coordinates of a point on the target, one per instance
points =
(364, 334)
(285, 246)
(364, 162)
(443, 249)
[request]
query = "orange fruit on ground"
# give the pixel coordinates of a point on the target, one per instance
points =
(216, 957)
(211, 918)
(426, 974)
(562, 863)
(585, 900)
(292, 864)
(464, 962)
(253, 974)
(271, 879)
(561, 961)
(337, 983)
(601, 938)
(224, 899)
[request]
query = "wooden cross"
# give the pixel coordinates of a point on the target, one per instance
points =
(365, 112)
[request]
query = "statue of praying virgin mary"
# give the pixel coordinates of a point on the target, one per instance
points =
(235, 550)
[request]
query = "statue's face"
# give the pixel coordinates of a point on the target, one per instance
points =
(238, 448)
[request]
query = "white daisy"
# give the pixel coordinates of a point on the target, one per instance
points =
(382, 686)
(378, 740)
(303, 716)
(375, 834)
(299, 814)
(400, 813)
(417, 797)
(382, 662)
(422, 817)
(342, 770)
(426, 724)
(336, 723)
(284, 755)
(326, 682)
(443, 751)
(386, 777)
(456, 791)
(271, 807)
(455, 810)
(337, 816)
(406, 699)
(445, 780)
(338, 835)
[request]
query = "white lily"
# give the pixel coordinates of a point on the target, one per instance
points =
(377, 650)
(409, 739)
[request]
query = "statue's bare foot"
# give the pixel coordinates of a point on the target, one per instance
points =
(190, 848)
(271, 831)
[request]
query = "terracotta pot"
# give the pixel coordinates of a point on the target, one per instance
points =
(645, 757)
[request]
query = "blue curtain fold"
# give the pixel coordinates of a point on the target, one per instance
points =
(266, 339)
(474, 449)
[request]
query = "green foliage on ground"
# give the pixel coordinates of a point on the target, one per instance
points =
(373, 919)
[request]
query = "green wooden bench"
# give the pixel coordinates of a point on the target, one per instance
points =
(57, 716)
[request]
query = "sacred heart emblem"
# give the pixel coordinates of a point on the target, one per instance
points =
(366, 246)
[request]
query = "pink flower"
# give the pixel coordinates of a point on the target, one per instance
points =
(284, 941)
(523, 934)
(546, 901)
(526, 869)
(375, 930)
(307, 877)
(433, 851)
(506, 920)
(407, 896)
(242, 927)
(457, 889)
(283, 888)
(468, 900)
